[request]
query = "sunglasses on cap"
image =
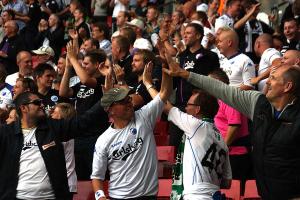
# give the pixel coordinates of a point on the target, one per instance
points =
(37, 102)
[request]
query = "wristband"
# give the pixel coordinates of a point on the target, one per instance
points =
(149, 87)
(99, 194)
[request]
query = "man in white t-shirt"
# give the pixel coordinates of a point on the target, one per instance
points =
(33, 161)
(227, 19)
(127, 148)
(24, 62)
(263, 49)
(238, 67)
(5, 90)
(206, 165)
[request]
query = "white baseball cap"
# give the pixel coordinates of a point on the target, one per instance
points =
(44, 50)
(202, 7)
(136, 22)
(142, 43)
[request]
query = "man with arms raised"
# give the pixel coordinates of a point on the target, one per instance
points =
(127, 148)
(275, 126)
(206, 165)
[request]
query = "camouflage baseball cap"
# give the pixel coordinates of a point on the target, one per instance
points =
(113, 95)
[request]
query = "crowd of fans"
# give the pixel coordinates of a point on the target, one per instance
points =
(58, 58)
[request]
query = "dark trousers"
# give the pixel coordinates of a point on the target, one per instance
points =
(241, 167)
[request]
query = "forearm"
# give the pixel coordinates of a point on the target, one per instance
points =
(151, 89)
(231, 133)
(64, 90)
(81, 73)
(170, 48)
(246, 87)
(242, 21)
(97, 184)
(166, 87)
(244, 101)
(264, 75)
(22, 18)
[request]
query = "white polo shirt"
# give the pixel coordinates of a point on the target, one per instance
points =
(239, 69)
(268, 56)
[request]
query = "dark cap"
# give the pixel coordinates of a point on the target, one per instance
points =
(113, 95)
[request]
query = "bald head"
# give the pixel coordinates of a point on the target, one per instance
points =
(292, 74)
(266, 39)
(227, 41)
(262, 43)
(229, 34)
(13, 24)
(10, 28)
(24, 61)
(291, 57)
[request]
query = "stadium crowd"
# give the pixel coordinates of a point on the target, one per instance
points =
(84, 82)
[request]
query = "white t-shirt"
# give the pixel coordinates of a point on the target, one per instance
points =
(268, 56)
(205, 158)
(129, 154)
(224, 21)
(204, 41)
(34, 182)
(12, 78)
(117, 8)
(5, 97)
(70, 165)
(239, 69)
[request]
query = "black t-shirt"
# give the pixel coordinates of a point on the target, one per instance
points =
(86, 97)
(51, 99)
(141, 11)
(201, 62)
(35, 15)
(130, 78)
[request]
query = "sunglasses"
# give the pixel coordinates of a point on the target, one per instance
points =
(37, 102)
(124, 101)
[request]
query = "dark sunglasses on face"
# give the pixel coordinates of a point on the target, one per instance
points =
(37, 102)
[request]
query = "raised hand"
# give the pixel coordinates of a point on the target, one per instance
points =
(104, 69)
(71, 51)
(119, 72)
(73, 34)
(147, 74)
(174, 68)
(109, 81)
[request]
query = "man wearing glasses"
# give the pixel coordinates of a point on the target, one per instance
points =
(206, 165)
(33, 163)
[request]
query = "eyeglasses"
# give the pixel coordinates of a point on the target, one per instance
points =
(124, 101)
(37, 102)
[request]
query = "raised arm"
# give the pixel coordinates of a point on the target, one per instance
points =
(244, 101)
(64, 89)
(166, 83)
(85, 79)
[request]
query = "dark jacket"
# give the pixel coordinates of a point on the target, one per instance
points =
(16, 44)
(49, 135)
(276, 151)
(56, 40)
